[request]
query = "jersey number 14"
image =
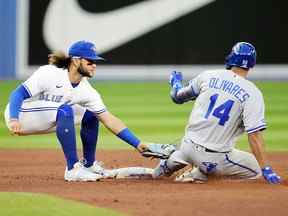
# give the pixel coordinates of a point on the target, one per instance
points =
(221, 112)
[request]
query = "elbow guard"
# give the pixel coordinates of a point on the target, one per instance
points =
(173, 95)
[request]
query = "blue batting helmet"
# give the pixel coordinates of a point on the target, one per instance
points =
(242, 55)
(84, 49)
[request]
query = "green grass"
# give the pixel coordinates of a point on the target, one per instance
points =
(147, 110)
(28, 204)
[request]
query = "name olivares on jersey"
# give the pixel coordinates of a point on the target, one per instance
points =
(53, 98)
(229, 87)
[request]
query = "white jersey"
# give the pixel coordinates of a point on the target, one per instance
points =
(51, 85)
(226, 106)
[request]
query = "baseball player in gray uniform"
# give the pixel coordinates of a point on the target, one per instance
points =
(226, 105)
(56, 97)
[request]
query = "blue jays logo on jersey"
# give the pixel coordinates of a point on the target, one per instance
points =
(48, 97)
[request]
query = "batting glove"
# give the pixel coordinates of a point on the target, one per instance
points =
(176, 80)
(270, 176)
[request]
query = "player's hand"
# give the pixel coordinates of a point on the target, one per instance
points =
(270, 176)
(15, 126)
(175, 80)
(157, 150)
(142, 147)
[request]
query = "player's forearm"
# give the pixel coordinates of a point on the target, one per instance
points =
(111, 122)
(116, 126)
(256, 142)
(16, 99)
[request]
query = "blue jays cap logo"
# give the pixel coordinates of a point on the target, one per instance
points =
(93, 48)
(84, 49)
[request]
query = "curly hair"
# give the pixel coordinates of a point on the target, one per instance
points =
(59, 59)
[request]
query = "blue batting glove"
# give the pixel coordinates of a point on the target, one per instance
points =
(176, 79)
(270, 176)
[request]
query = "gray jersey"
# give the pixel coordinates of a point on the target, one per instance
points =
(226, 105)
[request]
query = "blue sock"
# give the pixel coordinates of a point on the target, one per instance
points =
(89, 136)
(65, 132)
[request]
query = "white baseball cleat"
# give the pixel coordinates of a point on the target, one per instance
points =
(80, 173)
(192, 176)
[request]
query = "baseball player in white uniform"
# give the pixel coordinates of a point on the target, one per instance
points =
(226, 105)
(56, 97)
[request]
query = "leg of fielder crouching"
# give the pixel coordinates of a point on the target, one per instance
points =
(167, 167)
(89, 136)
(65, 132)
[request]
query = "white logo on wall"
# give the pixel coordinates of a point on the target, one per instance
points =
(66, 22)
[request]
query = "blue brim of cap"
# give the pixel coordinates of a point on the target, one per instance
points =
(98, 58)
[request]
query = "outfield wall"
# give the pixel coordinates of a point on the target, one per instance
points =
(162, 72)
(144, 40)
(8, 11)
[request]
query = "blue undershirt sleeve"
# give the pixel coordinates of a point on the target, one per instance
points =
(16, 99)
(127, 136)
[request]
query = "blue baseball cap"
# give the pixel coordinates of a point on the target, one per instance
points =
(84, 49)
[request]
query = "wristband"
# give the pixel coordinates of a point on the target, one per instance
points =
(127, 136)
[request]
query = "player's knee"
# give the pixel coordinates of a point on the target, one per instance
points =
(177, 158)
(89, 120)
(65, 111)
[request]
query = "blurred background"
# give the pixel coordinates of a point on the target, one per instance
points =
(144, 40)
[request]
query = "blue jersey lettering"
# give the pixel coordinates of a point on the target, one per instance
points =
(229, 87)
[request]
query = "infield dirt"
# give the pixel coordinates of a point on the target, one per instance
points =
(41, 171)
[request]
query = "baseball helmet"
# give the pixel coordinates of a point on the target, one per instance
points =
(84, 49)
(242, 55)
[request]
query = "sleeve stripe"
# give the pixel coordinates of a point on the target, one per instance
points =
(256, 128)
(100, 111)
(40, 110)
(35, 109)
(193, 92)
(27, 89)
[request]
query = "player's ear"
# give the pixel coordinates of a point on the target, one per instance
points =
(75, 62)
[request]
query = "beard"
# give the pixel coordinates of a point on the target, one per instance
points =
(83, 72)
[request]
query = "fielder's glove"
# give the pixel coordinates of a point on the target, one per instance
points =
(162, 151)
(270, 176)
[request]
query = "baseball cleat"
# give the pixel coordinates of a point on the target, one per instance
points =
(80, 173)
(161, 170)
(192, 176)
